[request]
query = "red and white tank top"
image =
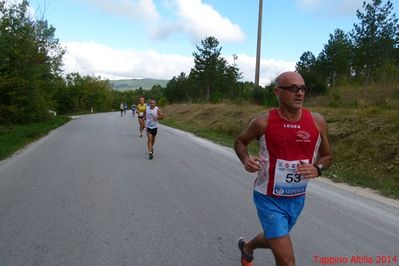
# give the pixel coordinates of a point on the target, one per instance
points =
(281, 149)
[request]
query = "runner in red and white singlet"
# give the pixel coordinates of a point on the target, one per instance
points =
(293, 147)
(282, 147)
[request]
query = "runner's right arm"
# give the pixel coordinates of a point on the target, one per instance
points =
(255, 130)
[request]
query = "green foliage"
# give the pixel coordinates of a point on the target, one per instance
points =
(311, 70)
(369, 53)
(14, 137)
(334, 62)
(245, 90)
(207, 64)
(375, 38)
(30, 76)
(315, 82)
(213, 80)
(30, 59)
(156, 92)
(388, 71)
(383, 94)
(373, 157)
(306, 63)
(258, 95)
(265, 96)
(177, 89)
(215, 98)
(83, 93)
(270, 98)
(162, 102)
(31, 56)
(213, 77)
(336, 99)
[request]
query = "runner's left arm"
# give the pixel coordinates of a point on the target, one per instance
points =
(160, 114)
(324, 153)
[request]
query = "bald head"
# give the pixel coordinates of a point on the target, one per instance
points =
(289, 78)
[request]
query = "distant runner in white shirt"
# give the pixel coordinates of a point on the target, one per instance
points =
(121, 107)
(152, 114)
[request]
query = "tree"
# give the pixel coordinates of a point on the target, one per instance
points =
(336, 58)
(176, 89)
(306, 62)
(311, 70)
(232, 75)
(212, 73)
(49, 48)
(208, 64)
(83, 93)
(375, 39)
(30, 57)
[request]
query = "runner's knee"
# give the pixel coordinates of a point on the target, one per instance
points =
(282, 250)
(285, 259)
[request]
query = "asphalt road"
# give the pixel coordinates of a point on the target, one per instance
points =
(87, 195)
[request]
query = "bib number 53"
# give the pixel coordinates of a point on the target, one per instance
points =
(293, 178)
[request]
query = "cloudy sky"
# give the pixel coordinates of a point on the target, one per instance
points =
(119, 39)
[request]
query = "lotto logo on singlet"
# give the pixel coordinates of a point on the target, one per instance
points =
(302, 136)
(291, 126)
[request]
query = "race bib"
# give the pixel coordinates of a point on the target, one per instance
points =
(141, 114)
(287, 182)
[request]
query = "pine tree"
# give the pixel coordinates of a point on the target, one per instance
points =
(336, 58)
(375, 39)
(206, 63)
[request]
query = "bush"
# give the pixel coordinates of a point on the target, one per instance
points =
(162, 102)
(8, 114)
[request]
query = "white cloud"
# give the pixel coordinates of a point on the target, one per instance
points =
(131, 9)
(269, 68)
(90, 58)
(331, 7)
(200, 20)
(192, 17)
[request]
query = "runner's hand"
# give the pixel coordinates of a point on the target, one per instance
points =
(307, 170)
(252, 164)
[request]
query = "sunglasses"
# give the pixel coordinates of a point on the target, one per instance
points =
(294, 88)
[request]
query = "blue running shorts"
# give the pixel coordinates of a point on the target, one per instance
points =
(277, 215)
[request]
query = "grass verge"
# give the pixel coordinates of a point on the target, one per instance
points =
(364, 140)
(15, 137)
(215, 136)
(207, 133)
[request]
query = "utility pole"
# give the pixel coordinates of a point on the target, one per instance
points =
(257, 66)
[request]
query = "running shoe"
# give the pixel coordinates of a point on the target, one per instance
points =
(246, 259)
(150, 156)
(141, 135)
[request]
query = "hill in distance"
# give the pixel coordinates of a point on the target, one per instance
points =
(134, 84)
